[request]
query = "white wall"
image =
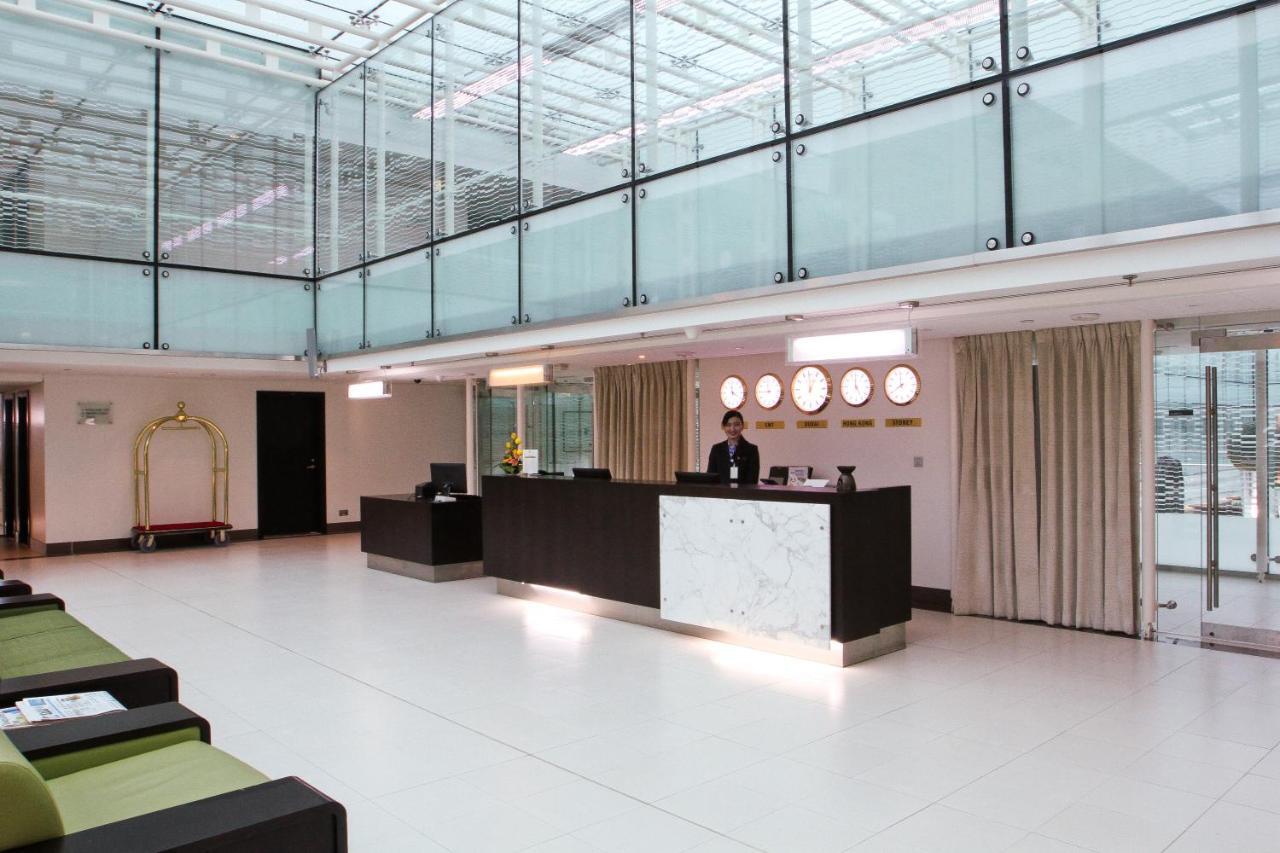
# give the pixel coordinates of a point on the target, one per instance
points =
(372, 447)
(884, 457)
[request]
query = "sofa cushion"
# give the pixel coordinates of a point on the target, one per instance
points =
(26, 804)
(146, 783)
(49, 641)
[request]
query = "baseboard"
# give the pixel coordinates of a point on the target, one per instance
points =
(342, 527)
(103, 546)
(931, 598)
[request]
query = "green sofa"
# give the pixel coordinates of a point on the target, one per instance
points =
(44, 650)
(148, 780)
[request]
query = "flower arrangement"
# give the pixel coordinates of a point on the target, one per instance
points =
(511, 461)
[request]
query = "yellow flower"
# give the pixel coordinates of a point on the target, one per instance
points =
(517, 441)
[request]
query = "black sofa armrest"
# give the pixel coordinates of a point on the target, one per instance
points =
(14, 587)
(286, 814)
(134, 683)
(52, 739)
(16, 602)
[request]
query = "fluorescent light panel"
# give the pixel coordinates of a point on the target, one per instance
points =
(376, 390)
(532, 374)
(852, 346)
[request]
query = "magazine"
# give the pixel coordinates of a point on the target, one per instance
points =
(44, 709)
(11, 718)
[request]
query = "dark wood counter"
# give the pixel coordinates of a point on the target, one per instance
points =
(422, 539)
(601, 538)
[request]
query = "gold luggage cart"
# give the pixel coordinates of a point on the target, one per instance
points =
(217, 529)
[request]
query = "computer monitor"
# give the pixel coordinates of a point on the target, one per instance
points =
(592, 474)
(705, 477)
(453, 473)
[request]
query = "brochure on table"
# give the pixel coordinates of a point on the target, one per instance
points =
(48, 709)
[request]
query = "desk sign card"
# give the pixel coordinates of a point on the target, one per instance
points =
(903, 422)
(858, 423)
(771, 424)
(811, 424)
(93, 414)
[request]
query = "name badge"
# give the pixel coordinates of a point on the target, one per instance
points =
(733, 472)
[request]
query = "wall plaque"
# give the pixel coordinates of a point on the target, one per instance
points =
(857, 423)
(771, 424)
(811, 424)
(903, 422)
(93, 414)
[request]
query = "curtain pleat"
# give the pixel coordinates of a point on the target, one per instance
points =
(997, 570)
(642, 419)
(1089, 427)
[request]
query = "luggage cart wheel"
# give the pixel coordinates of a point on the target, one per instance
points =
(147, 543)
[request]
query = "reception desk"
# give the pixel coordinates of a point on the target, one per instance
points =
(807, 572)
(421, 539)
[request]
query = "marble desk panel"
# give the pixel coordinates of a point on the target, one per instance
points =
(759, 568)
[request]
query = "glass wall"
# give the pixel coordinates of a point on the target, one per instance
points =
(510, 162)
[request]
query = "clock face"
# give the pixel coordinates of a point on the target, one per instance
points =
(902, 384)
(811, 389)
(856, 386)
(733, 392)
(769, 391)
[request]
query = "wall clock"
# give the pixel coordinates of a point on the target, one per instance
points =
(811, 389)
(769, 391)
(902, 384)
(857, 386)
(733, 392)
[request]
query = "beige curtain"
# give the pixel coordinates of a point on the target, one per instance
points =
(996, 567)
(641, 419)
(1088, 396)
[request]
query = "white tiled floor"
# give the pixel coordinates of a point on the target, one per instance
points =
(448, 718)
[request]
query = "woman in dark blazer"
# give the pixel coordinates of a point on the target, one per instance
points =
(734, 455)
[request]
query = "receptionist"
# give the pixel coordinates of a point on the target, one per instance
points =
(735, 459)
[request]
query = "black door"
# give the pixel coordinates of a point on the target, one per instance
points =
(8, 466)
(21, 459)
(290, 463)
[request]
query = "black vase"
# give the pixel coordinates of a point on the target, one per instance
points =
(845, 482)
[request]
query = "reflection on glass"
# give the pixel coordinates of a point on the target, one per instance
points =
(708, 78)
(398, 299)
(558, 423)
(474, 115)
(1268, 108)
(925, 182)
(848, 58)
(475, 281)
(340, 313)
(235, 168)
(203, 311)
(495, 421)
(716, 228)
(398, 147)
(75, 140)
(577, 260)
(575, 98)
(1149, 135)
(340, 165)
(65, 302)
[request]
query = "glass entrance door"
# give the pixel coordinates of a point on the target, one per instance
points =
(1217, 505)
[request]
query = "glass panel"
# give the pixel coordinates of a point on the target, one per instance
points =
(1149, 135)
(398, 156)
(476, 115)
(495, 421)
(1057, 28)
(64, 302)
(922, 183)
(340, 173)
(557, 420)
(576, 260)
(720, 227)
(202, 311)
(475, 281)
(848, 58)
(340, 313)
(1268, 107)
(76, 124)
(575, 98)
(708, 78)
(1273, 461)
(235, 168)
(398, 299)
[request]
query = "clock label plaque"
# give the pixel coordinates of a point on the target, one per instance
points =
(811, 424)
(903, 422)
(858, 423)
(771, 424)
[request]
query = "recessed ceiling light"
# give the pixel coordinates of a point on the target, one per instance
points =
(491, 355)
(1087, 315)
(794, 318)
(1026, 321)
(739, 349)
(641, 356)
